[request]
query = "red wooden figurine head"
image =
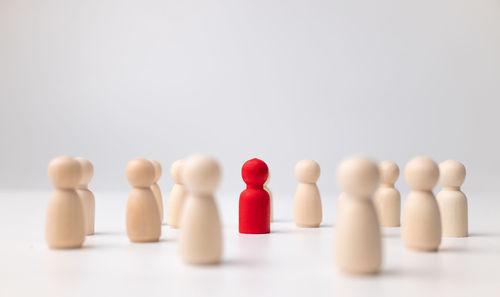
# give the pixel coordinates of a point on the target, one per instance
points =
(255, 172)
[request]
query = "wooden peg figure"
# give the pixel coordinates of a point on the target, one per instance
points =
(421, 223)
(254, 206)
(358, 247)
(64, 225)
(177, 195)
(200, 239)
(86, 196)
(387, 198)
(307, 211)
(143, 216)
(451, 201)
(270, 198)
(156, 189)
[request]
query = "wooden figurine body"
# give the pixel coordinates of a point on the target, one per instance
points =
(156, 189)
(421, 223)
(254, 205)
(142, 217)
(358, 245)
(387, 198)
(86, 196)
(307, 210)
(177, 195)
(65, 225)
(200, 239)
(451, 201)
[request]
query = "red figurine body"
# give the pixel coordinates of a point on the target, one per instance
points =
(254, 210)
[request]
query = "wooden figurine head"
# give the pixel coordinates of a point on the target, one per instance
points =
(307, 171)
(157, 167)
(389, 172)
(64, 172)
(358, 177)
(140, 173)
(451, 174)
(176, 171)
(201, 174)
(255, 172)
(87, 172)
(421, 174)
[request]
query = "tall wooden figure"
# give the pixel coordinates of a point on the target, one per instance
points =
(200, 238)
(156, 189)
(254, 206)
(307, 211)
(86, 196)
(64, 225)
(421, 223)
(387, 198)
(143, 216)
(177, 195)
(358, 247)
(452, 202)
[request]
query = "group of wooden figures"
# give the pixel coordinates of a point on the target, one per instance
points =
(192, 207)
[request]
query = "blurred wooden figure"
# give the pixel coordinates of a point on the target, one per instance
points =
(86, 196)
(200, 238)
(307, 210)
(387, 198)
(358, 247)
(65, 225)
(143, 216)
(421, 223)
(177, 195)
(155, 188)
(452, 202)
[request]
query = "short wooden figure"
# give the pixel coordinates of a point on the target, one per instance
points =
(307, 210)
(387, 198)
(358, 247)
(452, 202)
(200, 239)
(421, 222)
(143, 216)
(86, 196)
(177, 195)
(65, 224)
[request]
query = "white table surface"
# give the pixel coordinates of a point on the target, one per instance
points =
(288, 262)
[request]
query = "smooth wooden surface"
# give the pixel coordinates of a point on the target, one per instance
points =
(290, 261)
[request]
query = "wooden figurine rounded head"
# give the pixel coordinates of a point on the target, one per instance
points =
(387, 198)
(143, 216)
(421, 223)
(358, 247)
(155, 188)
(177, 195)
(86, 196)
(451, 200)
(65, 225)
(307, 211)
(254, 204)
(200, 239)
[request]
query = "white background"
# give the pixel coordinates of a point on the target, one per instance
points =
(280, 80)
(111, 80)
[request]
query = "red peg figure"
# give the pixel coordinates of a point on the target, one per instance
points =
(255, 210)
